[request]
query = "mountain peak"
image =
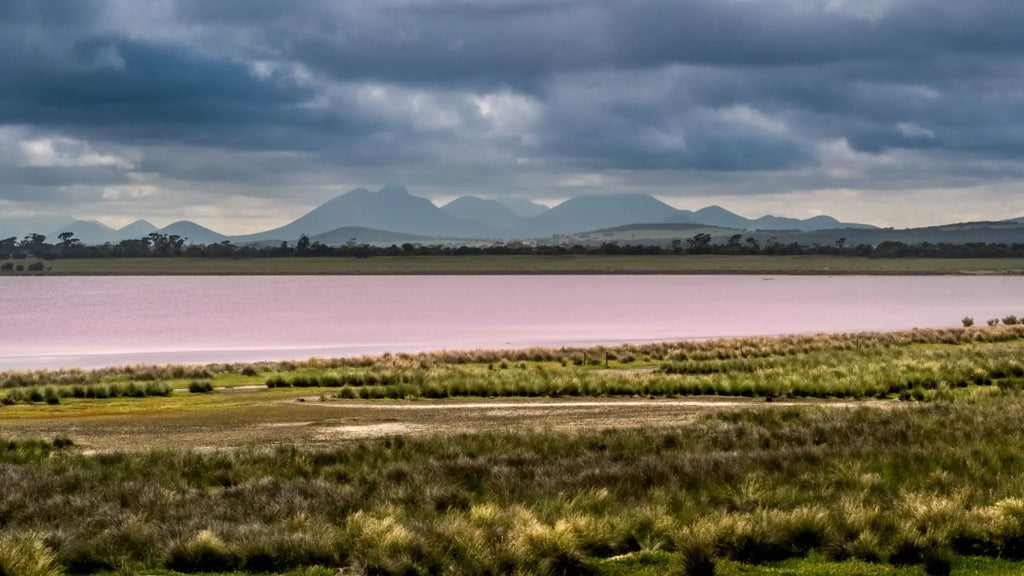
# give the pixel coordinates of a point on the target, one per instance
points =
(490, 212)
(715, 209)
(393, 190)
(136, 229)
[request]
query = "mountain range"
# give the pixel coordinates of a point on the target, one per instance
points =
(94, 232)
(393, 215)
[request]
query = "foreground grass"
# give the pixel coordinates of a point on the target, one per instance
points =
(884, 487)
(785, 491)
(509, 264)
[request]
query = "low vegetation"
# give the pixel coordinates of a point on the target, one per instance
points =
(932, 484)
(904, 486)
(52, 394)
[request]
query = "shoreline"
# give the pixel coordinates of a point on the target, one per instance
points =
(554, 272)
(527, 265)
(516, 353)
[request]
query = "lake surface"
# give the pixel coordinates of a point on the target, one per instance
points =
(51, 322)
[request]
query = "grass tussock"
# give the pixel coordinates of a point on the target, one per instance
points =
(25, 554)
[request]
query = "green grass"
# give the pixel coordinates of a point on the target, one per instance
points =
(51, 394)
(509, 264)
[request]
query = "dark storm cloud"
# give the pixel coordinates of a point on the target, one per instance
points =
(858, 93)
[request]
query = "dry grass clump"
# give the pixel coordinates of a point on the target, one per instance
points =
(25, 554)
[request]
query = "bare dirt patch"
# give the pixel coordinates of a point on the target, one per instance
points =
(267, 420)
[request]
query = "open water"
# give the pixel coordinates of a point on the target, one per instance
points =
(52, 322)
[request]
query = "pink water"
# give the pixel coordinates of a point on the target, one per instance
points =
(50, 322)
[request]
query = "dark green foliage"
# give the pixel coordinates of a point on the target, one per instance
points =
(200, 386)
(697, 561)
(54, 394)
(937, 563)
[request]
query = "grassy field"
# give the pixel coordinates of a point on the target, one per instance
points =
(872, 454)
(571, 264)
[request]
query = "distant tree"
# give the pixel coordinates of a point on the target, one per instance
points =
(302, 246)
(967, 321)
(35, 244)
(8, 247)
(67, 239)
(699, 243)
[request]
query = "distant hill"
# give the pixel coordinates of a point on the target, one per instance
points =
(93, 232)
(193, 233)
(663, 234)
(718, 216)
(489, 212)
(363, 235)
(390, 208)
(137, 229)
(87, 232)
(985, 232)
(523, 207)
(593, 212)
(21, 226)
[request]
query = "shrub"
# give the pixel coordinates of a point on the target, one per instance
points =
(1010, 320)
(967, 321)
(277, 382)
(63, 442)
(200, 387)
(992, 321)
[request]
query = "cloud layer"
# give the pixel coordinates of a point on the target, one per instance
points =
(242, 115)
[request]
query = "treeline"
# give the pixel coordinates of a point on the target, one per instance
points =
(162, 245)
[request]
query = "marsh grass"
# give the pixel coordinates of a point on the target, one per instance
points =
(593, 357)
(53, 394)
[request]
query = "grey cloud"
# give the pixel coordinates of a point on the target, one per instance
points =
(273, 97)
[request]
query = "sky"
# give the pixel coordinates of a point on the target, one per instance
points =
(242, 115)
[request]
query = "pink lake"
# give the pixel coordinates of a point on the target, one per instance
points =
(53, 322)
